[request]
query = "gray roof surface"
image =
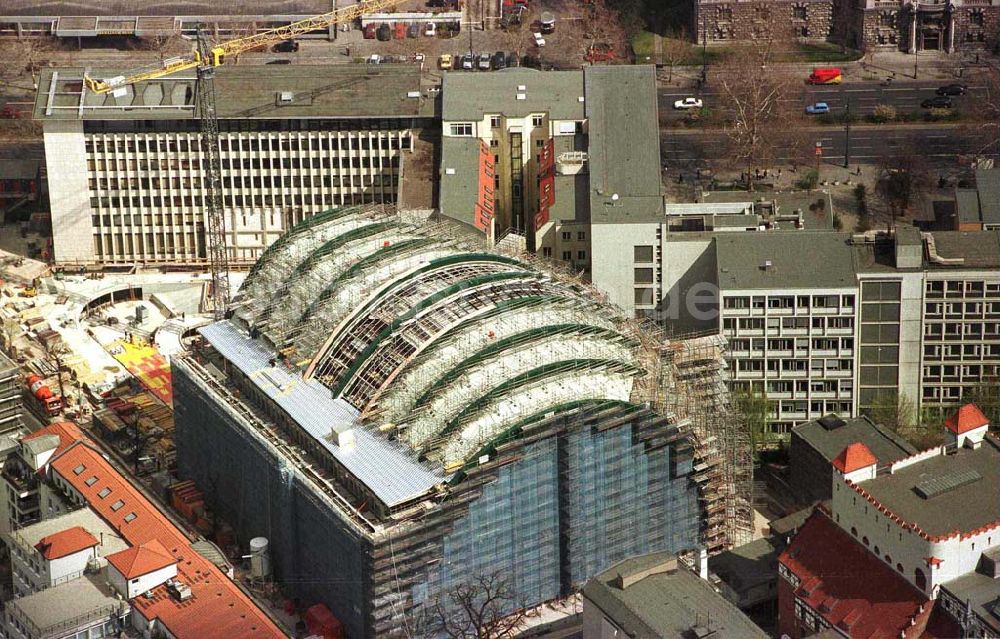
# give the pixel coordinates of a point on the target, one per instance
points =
(967, 205)
(964, 508)
(468, 96)
(980, 249)
(458, 191)
(389, 470)
(666, 605)
(813, 218)
(110, 541)
(799, 260)
(748, 565)
(886, 445)
(152, 8)
(85, 597)
(320, 91)
(41, 444)
(624, 152)
(791, 523)
(982, 592)
(988, 185)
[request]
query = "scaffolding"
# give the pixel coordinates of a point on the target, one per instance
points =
(723, 464)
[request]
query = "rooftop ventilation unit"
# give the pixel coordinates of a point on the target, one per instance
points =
(831, 422)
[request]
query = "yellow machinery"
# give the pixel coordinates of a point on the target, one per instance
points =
(205, 59)
(217, 55)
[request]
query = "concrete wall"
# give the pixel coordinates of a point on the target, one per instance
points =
(69, 198)
(613, 259)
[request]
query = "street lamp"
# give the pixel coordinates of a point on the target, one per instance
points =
(847, 135)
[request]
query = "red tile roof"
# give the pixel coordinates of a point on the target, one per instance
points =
(65, 542)
(966, 418)
(141, 560)
(853, 457)
(853, 589)
(67, 432)
(218, 608)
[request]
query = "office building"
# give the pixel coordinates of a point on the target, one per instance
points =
(125, 173)
(547, 155)
(400, 409)
(822, 322)
(11, 390)
(908, 548)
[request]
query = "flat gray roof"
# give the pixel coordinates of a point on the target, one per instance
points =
(981, 592)
(468, 96)
(988, 186)
(247, 91)
(978, 249)
(666, 605)
(152, 8)
(748, 565)
(459, 178)
(108, 539)
(389, 470)
(962, 508)
(886, 445)
(624, 150)
(810, 260)
(59, 606)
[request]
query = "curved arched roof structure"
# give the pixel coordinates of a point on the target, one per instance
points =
(439, 343)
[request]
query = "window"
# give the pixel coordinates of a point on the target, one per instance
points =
(581, 235)
(463, 129)
(104, 493)
(546, 251)
(799, 12)
(495, 121)
(567, 255)
(644, 296)
(79, 469)
(643, 276)
(864, 540)
(536, 120)
(854, 531)
(91, 480)
(115, 507)
(130, 518)
(567, 236)
(643, 253)
(581, 255)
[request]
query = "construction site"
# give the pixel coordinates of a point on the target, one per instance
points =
(398, 406)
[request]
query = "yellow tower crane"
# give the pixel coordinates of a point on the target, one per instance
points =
(205, 58)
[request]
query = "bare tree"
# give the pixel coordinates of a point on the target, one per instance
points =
(675, 49)
(902, 182)
(986, 105)
(483, 607)
(759, 122)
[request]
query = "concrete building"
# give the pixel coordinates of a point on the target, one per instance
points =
(395, 406)
(11, 403)
(24, 18)
(549, 155)
(822, 322)
(107, 561)
(125, 173)
(815, 444)
(656, 597)
(921, 530)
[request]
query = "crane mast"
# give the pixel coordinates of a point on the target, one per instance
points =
(215, 235)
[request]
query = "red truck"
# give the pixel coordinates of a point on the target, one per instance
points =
(825, 75)
(46, 403)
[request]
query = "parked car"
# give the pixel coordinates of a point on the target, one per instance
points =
(951, 89)
(436, 3)
(384, 32)
(499, 60)
(532, 62)
(376, 59)
(485, 60)
(468, 61)
(513, 60)
(444, 62)
(413, 31)
(539, 40)
(818, 109)
(286, 46)
(431, 30)
(370, 31)
(600, 52)
(688, 103)
(280, 62)
(937, 102)
(399, 31)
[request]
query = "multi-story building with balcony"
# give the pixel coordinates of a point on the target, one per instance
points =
(125, 172)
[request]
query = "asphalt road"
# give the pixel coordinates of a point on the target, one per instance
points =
(863, 96)
(941, 145)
